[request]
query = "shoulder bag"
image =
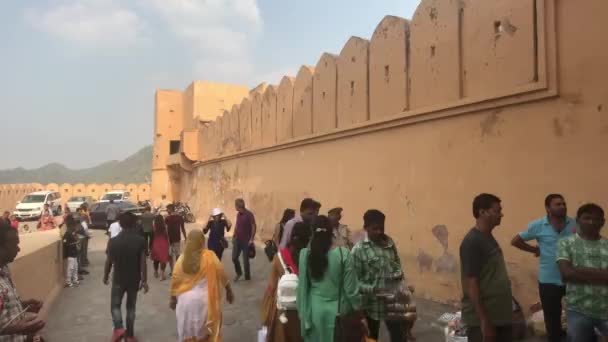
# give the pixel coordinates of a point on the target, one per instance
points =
(348, 327)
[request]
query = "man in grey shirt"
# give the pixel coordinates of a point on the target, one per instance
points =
(112, 212)
(147, 227)
(309, 209)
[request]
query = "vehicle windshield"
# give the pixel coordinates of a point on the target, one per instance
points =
(77, 199)
(101, 206)
(126, 205)
(108, 197)
(34, 199)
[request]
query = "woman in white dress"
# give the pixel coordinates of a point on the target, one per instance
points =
(197, 284)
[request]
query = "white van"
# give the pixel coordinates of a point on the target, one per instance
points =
(116, 195)
(30, 207)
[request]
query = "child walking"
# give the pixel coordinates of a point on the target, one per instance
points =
(160, 247)
(70, 252)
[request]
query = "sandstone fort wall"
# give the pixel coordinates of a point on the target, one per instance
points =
(469, 96)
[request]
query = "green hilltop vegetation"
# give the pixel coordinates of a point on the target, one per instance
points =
(134, 169)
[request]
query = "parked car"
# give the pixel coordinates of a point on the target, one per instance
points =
(30, 207)
(76, 201)
(116, 195)
(98, 212)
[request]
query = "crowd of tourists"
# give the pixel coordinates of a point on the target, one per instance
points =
(573, 265)
(326, 283)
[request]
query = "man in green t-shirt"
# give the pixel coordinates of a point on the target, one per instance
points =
(583, 263)
(487, 301)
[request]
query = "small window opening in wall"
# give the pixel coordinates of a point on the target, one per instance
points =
(326, 64)
(352, 88)
(323, 95)
(353, 59)
(301, 103)
(79, 190)
(174, 146)
(387, 72)
(92, 190)
(170, 110)
(432, 50)
(498, 28)
(283, 109)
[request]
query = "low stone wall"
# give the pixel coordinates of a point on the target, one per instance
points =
(38, 269)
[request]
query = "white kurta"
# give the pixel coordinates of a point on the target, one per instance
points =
(191, 312)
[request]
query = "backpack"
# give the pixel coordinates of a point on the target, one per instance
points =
(287, 288)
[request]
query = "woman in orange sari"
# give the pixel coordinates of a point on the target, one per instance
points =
(196, 292)
(290, 330)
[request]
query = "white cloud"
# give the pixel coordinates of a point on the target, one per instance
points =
(88, 23)
(219, 33)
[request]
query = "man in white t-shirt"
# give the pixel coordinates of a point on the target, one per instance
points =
(115, 229)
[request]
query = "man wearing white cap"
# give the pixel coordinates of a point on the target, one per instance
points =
(217, 225)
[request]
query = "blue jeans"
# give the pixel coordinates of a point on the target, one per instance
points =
(118, 293)
(581, 327)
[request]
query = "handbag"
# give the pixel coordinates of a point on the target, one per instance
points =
(270, 249)
(252, 251)
(224, 243)
(348, 327)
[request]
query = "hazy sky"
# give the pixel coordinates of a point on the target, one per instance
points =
(78, 76)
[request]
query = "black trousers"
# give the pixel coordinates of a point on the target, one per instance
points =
(118, 292)
(503, 334)
(148, 236)
(239, 248)
(395, 328)
(84, 244)
(551, 298)
(84, 252)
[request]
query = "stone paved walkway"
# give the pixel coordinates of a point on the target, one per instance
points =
(83, 314)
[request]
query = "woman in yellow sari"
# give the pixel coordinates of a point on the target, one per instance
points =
(196, 292)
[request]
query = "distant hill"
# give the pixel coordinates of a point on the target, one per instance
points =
(134, 169)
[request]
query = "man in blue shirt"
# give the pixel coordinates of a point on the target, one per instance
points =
(547, 231)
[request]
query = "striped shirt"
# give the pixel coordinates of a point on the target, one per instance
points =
(10, 304)
(373, 264)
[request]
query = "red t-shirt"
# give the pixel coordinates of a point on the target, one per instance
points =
(174, 224)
